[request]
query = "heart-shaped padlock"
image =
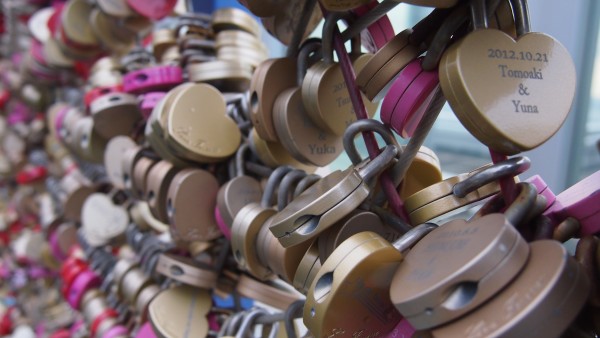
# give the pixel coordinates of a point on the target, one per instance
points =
(324, 92)
(504, 90)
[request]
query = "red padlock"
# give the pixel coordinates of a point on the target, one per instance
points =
(95, 93)
(31, 174)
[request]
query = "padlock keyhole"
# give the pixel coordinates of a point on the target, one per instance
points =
(323, 286)
(306, 224)
(462, 295)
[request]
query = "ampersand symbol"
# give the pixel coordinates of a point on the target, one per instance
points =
(523, 90)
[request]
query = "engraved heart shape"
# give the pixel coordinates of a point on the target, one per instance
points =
(511, 95)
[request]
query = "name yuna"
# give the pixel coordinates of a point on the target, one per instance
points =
(534, 73)
(524, 108)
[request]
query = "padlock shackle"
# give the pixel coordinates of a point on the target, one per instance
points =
(521, 12)
(362, 126)
(379, 164)
(329, 30)
(305, 183)
(309, 49)
(286, 185)
(272, 183)
(411, 237)
(240, 170)
(511, 167)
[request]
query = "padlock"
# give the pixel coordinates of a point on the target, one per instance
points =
(271, 293)
(190, 215)
(385, 64)
(560, 283)
(327, 201)
(234, 18)
(247, 224)
(306, 142)
(180, 312)
(579, 202)
(261, 8)
(338, 6)
(239, 191)
(186, 271)
(284, 23)
(440, 198)
(378, 33)
(207, 137)
(324, 91)
(268, 81)
(408, 98)
(226, 75)
(102, 220)
(112, 110)
(152, 79)
(524, 70)
(493, 263)
(350, 293)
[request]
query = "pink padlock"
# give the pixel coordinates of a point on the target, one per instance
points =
(84, 282)
(213, 322)
(42, 73)
(408, 98)
(77, 327)
(59, 118)
(146, 331)
(5, 271)
(19, 114)
(55, 247)
(150, 79)
(38, 272)
(582, 202)
(152, 9)
(378, 33)
(149, 101)
(402, 330)
(116, 331)
(221, 223)
(17, 59)
(37, 53)
(95, 93)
